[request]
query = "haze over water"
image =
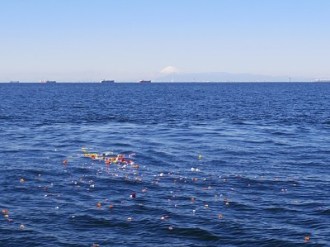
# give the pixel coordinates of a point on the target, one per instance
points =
(219, 164)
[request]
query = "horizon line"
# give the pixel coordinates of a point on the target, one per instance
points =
(157, 82)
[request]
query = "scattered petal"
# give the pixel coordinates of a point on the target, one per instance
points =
(307, 238)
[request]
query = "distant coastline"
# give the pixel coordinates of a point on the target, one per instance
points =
(322, 80)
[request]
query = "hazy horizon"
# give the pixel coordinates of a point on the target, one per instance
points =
(127, 41)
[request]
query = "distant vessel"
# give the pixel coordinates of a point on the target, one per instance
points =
(14, 82)
(145, 81)
(322, 80)
(107, 81)
(49, 82)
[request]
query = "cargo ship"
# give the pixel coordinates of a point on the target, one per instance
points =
(145, 81)
(107, 81)
(48, 82)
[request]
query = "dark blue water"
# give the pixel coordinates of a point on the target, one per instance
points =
(219, 165)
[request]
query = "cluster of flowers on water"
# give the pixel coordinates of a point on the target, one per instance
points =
(109, 158)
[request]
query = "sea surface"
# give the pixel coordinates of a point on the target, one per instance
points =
(236, 164)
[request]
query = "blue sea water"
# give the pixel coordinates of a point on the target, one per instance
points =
(219, 164)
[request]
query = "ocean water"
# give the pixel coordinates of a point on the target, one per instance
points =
(214, 164)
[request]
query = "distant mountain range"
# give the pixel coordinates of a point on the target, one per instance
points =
(227, 77)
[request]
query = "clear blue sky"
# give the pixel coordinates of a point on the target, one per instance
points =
(128, 40)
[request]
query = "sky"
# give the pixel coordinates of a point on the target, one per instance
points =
(130, 40)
